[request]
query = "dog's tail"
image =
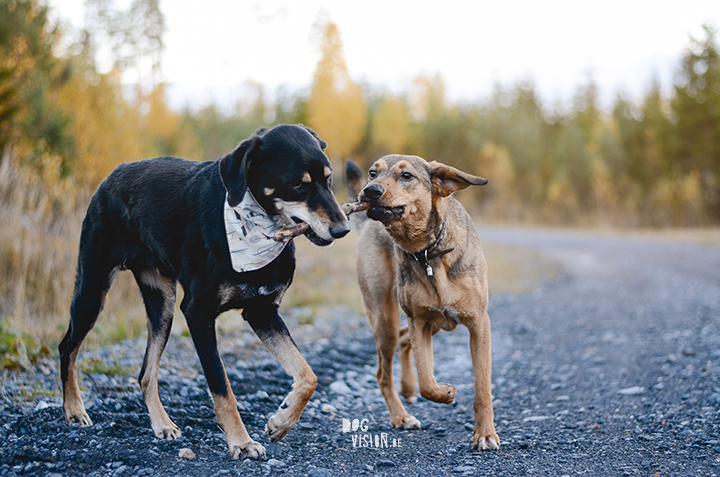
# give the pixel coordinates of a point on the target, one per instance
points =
(355, 181)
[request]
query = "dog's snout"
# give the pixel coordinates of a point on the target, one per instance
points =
(373, 191)
(339, 231)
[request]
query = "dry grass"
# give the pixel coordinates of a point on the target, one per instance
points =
(39, 236)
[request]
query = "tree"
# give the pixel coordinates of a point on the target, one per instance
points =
(390, 125)
(29, 75)
(134, 37)
(336, 109)
(696, 107)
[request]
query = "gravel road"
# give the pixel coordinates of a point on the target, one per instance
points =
(610, 369)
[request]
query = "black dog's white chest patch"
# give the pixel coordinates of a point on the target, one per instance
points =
(250, 232)
(229, 292)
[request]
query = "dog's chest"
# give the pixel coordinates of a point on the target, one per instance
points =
(445, 317)
(238, 292)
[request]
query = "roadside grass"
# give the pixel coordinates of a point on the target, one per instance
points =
(108, 368)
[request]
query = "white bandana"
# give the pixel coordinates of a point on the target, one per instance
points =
(250, 232)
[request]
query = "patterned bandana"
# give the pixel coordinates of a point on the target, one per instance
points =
(250, 232)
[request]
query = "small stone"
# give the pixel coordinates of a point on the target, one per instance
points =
(632, 391)
(186, 453)
(339, 387)
(385, 463)
(275, 463)
(463, 468)
(318, 473)
(328, 409)
(536, 418)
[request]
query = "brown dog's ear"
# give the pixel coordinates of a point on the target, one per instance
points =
(234, 169)
(447, 179)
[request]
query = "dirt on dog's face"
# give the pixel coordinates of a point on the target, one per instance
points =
(399, 189)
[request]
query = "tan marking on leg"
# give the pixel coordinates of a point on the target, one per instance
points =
(162, 426)
(484, 435)
(421, 339)
(239, 441)
(304, 382)
(73, 405)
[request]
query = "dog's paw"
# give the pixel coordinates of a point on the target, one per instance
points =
(449, 398)
(483, 443)
(169, 432)
(251, 450)
(79, 418)
(410, 422)
(411, 399)
(279, 424)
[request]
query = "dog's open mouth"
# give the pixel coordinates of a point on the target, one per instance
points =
(312, 236)
(385, 214)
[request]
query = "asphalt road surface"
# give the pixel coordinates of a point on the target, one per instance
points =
(609, 369)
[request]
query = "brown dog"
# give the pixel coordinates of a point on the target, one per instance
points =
(421, 250)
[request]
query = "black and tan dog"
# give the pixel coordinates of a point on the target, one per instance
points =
(421, 250)
(208, 226)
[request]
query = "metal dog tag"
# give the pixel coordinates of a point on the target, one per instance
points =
(429, 271)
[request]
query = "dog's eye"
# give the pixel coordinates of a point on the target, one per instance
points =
(372, 174)
(407, 176)
(299, 185)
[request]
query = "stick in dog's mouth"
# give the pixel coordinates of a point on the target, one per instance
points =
(291, 232)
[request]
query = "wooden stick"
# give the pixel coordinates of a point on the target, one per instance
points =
(291, 232)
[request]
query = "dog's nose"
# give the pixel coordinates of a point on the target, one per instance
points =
(339, 231)
(373, 191)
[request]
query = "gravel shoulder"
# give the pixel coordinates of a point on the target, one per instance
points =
(609, 369)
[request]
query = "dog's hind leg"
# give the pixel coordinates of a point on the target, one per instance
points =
(421, 333)
(94, 276)
(270, 328)
(158, 293)
(201, 322)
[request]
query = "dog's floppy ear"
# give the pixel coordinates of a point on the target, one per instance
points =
(447, 179)
(234, 169)
(323, 144)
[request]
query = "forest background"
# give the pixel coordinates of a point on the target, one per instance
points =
(645, 162)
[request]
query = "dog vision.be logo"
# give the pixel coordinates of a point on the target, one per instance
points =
(362, 438)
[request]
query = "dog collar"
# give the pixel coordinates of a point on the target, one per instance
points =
(250, 230)
(423, 257)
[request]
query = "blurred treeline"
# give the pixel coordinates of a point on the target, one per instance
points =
(64, 125)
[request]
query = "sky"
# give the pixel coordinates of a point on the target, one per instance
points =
(213, 49)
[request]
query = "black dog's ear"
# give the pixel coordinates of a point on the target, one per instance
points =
(323, 144)
(234, 169)
(447, 179)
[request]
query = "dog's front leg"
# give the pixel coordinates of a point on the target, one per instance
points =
(421, 333)
(270, 328)
(484, 435)
(202, 330)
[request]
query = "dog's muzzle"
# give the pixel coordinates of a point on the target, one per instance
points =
(372, 193)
